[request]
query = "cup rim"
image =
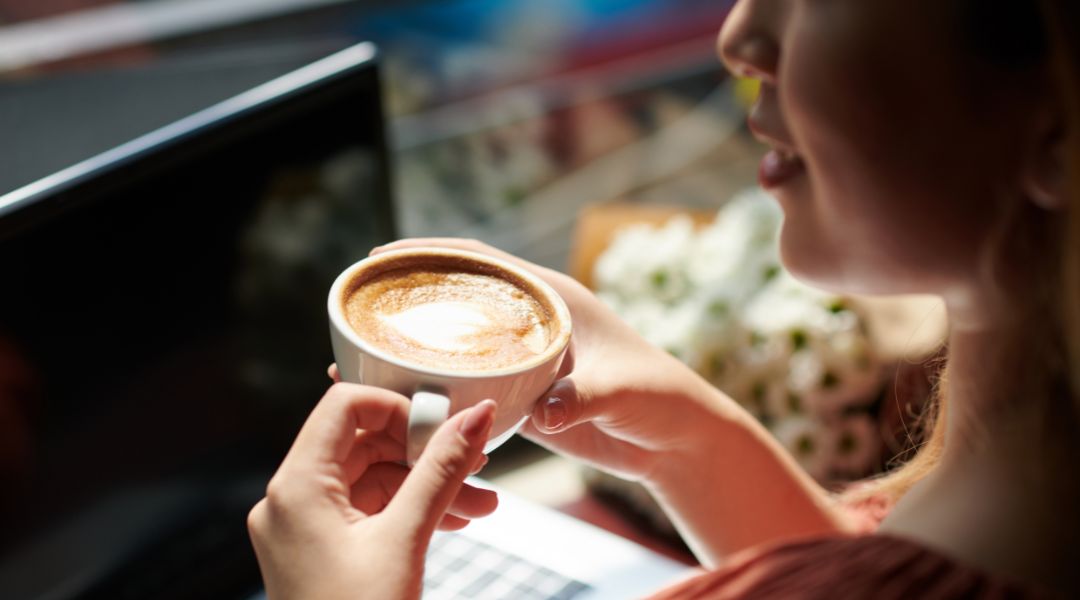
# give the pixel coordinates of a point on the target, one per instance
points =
(341, 324)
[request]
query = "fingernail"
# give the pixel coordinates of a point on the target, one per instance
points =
(554, 413)
(375, 250)
(478, 421)
(480, 464)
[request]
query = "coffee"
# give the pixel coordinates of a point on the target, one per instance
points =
(450, 313)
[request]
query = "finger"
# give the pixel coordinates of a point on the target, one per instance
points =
(479, 464)
(452, 523)
(597, 448)
(448, 242)
(333, 373)
(372, 447)
(437, 477)
(473, 502)
(567, 403)
(371, 493)
(374, 491)
(465, 244)
(568, 361)
(329, 434)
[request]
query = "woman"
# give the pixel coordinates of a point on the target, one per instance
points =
(925, 146)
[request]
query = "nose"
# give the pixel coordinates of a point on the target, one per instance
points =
(748, 43)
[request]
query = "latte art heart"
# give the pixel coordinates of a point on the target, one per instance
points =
(447, 319)
(441, 325)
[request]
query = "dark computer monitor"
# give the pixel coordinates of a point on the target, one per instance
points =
(163, 333)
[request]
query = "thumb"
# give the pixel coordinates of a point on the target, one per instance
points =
(567, 403)
(435, 480)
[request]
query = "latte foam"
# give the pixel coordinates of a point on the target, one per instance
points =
(446, 318)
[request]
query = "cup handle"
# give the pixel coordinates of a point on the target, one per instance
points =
(427, 411)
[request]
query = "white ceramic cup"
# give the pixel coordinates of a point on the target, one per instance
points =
(438, 393)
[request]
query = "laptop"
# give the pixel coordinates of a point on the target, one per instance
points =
(162, 319)
(531, 552)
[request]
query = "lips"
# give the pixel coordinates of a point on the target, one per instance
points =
(781, 163)
(778, 167)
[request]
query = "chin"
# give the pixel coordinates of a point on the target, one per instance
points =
(804, 251)
(817, 278)
(807, 266)
(793, 195)
(839, 277)
(813, 262)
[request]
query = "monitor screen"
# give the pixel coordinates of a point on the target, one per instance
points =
(163, 333)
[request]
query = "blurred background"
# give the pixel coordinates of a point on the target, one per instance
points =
(598, 137)
(506, 116)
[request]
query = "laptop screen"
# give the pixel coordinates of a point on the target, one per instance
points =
(163, 333)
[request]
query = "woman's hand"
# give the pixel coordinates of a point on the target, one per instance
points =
(342, 518)
(620, 404)
(633, 410)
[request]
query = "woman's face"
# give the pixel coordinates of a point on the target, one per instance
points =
(886, 157)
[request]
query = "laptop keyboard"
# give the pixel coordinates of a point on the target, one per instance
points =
(460, 567)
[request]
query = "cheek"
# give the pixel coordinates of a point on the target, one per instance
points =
(879, 226)
(888, 204)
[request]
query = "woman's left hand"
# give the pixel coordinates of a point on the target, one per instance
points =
(342, 518)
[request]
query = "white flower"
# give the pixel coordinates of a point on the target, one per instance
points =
(857, 445)
(830, 362)
(847, 379)
(680, 334)
(845, 393)
(786, 304)
(809, 441)
(781, 402)
(751, 220)
(644, 315)
(644, 261)
(796, 357)
(738, 252)
(805, 372)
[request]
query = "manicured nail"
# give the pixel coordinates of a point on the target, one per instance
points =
(480, 464)
(477, 423)
(554, 413)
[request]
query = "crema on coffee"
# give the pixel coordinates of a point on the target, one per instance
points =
(452, 315)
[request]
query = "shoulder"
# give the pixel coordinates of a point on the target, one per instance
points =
(878, 566)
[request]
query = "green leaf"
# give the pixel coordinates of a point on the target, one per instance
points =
(717, 365)
(794, 403)
(758, 391)
(798, 339)
(719, 309)
(660, 279)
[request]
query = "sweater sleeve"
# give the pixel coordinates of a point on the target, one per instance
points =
(864, 566)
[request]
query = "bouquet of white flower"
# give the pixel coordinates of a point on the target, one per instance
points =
(717, 298)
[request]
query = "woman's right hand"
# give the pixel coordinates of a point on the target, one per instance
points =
(620, 404)
(633, 410)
